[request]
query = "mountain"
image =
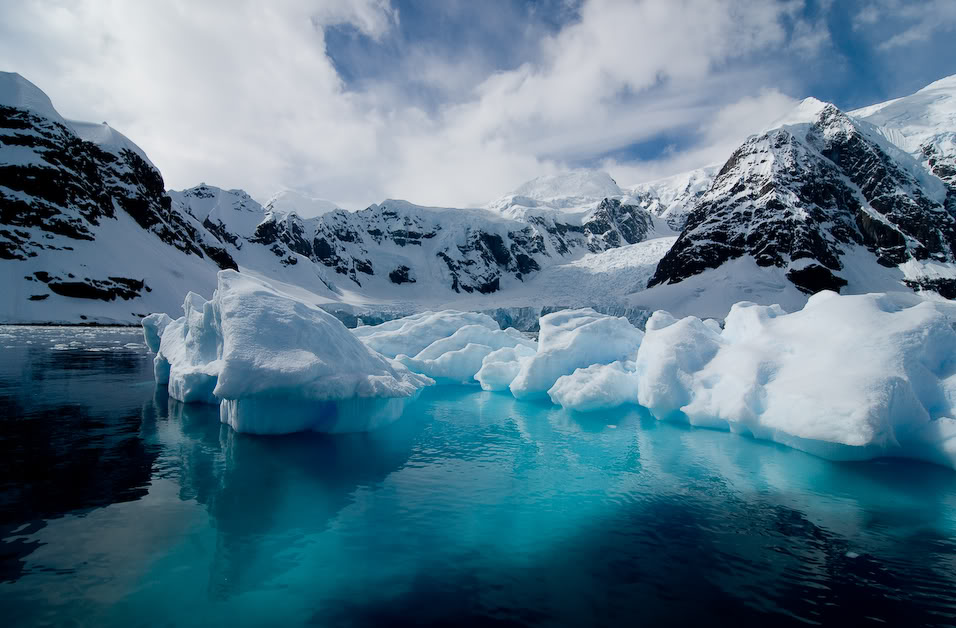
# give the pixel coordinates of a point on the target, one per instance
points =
(289, 201)
(672, 198)
(821, 197)
(88, 233)
(856, 202)
(924, 125)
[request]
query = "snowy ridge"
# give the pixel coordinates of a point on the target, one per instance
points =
(672, 198)
(288, 201)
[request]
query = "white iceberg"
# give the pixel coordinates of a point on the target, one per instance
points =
(597, 387)
(412, 334)
(459, 357)
(573, 339)
(276, 364)
(499, 368)
(847, 377)
(153, 327)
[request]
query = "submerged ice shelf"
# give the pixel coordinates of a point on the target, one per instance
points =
(846, 377)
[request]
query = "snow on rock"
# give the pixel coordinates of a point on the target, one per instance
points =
(16, 91)
(572, 339)
(276, 364)
(412, 334)
(459, 357)
(847, 377)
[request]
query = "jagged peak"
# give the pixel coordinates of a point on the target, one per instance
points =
(807, 111)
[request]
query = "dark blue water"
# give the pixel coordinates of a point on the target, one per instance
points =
(119, 506)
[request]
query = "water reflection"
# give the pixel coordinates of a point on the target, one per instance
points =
(266, 495)
(474, 508)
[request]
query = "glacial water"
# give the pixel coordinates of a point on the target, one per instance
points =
(121, 507)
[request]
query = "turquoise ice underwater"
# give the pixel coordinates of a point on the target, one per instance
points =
(474, 507)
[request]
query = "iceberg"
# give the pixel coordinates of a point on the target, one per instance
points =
(499, 368)
(276, 364)
(153, 327)
(459, 357)
(573, 339)
(846, 377)
(597, 387)
(412, 334)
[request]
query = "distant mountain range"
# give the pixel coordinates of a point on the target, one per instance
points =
(859, 201)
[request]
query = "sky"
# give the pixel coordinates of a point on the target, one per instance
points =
(457, 102)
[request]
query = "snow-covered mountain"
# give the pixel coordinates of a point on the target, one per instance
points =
(822, 197)
(862, 201)
(289, 201)
(672, 198)
(89, 233)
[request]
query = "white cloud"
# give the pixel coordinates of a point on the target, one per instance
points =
(920, 20)
(243, 94)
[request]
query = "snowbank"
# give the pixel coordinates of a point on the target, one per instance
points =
(573, 339)
(276, 364)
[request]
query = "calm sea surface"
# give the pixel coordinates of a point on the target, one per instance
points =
(121, 507)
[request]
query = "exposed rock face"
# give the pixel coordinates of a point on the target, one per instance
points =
(800, 197)
(474, 249)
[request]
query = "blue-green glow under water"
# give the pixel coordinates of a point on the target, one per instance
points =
(119, 506)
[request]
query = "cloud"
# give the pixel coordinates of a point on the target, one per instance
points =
(922, 20)
(245, 94)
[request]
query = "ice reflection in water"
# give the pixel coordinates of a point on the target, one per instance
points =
(119, 506)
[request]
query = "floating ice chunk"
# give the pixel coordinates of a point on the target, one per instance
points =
(847, 377)
(277, 364)
(153, 327)
(597, 387)
(572, 339)
(499, 368)
(412, 334)
(672, 352)
(459, 357)
(476, 334)
(189, 349)
(459, 365)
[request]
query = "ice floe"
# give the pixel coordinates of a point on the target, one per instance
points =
(276, 364)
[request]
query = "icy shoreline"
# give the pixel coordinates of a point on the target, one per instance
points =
(845, 378)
